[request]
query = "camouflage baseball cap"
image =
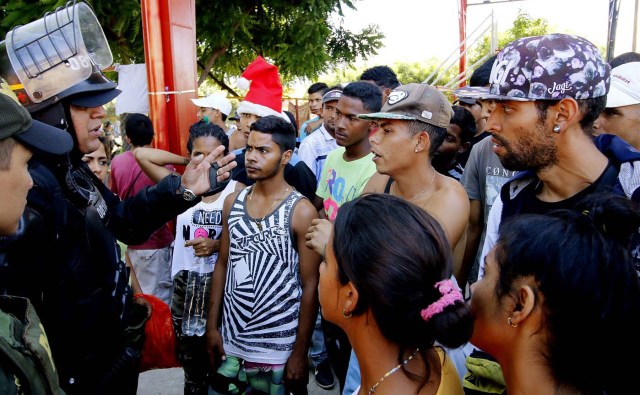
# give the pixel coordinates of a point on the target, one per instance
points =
(549, 67)
(415, 102)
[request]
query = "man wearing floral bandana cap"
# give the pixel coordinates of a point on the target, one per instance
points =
(549, 90)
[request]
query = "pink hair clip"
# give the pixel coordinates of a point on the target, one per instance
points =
(450, 294)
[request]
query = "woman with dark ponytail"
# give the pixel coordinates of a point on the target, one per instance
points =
(558, 306)
(386, 283)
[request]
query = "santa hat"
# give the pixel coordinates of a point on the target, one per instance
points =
(265, 90)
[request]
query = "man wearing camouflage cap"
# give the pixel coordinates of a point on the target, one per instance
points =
(549, 90)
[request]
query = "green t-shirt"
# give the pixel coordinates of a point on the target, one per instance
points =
(342, 181)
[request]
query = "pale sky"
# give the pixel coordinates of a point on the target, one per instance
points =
(417, 30)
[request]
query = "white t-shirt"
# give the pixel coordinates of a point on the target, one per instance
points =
(491, 237)
(201, 220)
(314, 150)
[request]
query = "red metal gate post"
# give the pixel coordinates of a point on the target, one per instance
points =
(462, 21)
(169, 34)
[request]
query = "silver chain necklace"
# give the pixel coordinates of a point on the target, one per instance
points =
(421, 193)
(392, 371)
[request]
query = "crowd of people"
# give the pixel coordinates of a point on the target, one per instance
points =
(398, 242)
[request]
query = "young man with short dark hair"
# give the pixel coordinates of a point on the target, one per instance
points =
(344, 175)
(315, 92)
(460, 131)
(384, 78)
(542, 127)
(264, 285)
(348, 167)
(314, 150)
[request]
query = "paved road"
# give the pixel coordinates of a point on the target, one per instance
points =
(170, 381)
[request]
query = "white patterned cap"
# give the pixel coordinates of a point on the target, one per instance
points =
(549, 67)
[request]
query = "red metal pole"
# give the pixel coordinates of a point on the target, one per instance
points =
(462, 21)
(169, 34)
(152, 37)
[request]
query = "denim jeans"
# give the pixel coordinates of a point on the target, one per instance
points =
(352, 382)
(318, 351)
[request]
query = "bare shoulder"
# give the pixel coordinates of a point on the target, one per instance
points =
(376, 184)
(303, 213)
(451, 189)
(448, 198)
(305, 209)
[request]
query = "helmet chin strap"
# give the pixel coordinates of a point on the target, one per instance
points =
(59, 115)
(54, 115)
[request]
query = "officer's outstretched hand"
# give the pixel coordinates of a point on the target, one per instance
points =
(209, 175)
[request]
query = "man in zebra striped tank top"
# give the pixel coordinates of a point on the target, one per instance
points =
(264, 285)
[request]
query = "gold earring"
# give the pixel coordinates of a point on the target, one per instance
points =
(511, 324)
(346, 315)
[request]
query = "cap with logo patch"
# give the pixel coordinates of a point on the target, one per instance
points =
(332, 95)
(550, 67)
(625, 85)
(415, 102)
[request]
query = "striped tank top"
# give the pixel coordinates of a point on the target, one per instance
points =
(263, 286)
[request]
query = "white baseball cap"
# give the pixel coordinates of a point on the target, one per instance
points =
(214, 100)
(625, 85)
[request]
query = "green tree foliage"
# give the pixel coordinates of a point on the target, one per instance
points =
(303, 38)
(120, 21)
(298, 36)
(407, 72)
(523, 26)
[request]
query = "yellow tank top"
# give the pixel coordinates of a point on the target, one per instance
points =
(449, 381)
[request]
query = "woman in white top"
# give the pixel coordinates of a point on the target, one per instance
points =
(198, 233)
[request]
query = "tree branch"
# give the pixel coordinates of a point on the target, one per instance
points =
(210, 61)
(217, 81)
